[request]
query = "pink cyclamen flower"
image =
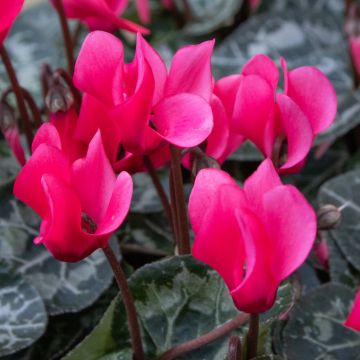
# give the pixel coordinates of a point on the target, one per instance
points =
(140, 106)
(255, 236)
(355, 52)
(9, 10)
(81, 203)
(100, 14)
(322, 252)
(275, 122)
(353, 320)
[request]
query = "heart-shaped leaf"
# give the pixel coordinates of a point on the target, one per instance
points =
(315, 329)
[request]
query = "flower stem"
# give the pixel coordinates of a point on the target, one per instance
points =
(159, 188)
(128, 304)
(18, 94)
(183, 240)
(66, 34)
(203, 340)
(252, 336)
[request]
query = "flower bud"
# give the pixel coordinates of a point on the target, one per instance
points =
(329, 217)
(200, 160)
(7, 117)
(59, 98)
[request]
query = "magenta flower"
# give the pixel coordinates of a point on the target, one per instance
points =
(253, 237)
(9, 10)
(140, 106)
(81, 204)
(12, 137)
(353, 320)
(101, 14)
(276, 121)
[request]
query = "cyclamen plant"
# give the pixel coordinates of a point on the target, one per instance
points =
(107, 119)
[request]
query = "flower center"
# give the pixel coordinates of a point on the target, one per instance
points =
(88, 224)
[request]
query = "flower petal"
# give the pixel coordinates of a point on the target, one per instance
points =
(190, 71)
(185, 120)
(46, 134)
(203, 193)
(45, 160)
(264, 67)
(94, 180)
(61, 229)
(353, 320)
(143, 9)
(218, 240)
(226, 89)
(315, 95)
(217, 141)
(297, 129)
(291, 223)
(157, 65)
(257, 291)
(265, 178)
(9, 10)
(253, 112)
(118, 206)
(12, 137)
(98, 69)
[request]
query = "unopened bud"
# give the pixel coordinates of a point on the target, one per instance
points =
(329, 217)
(7, 117)
(234, 352)
(59, 98)
(200, 160)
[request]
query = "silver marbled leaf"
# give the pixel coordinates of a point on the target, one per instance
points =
(65, 287)
(23, 316)
(344, 191)
(315, 329)
(179, 299)
(209, 15)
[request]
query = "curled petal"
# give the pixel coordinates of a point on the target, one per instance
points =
(314, 94)
(94, 180)
(98, 69)
(257, 291)
(297, 129)
(204, 191)
(61, 228)
(190, 71)
(265, 178)
(119, 205)
(294, 234)
(263, 66)
(353, 320)
(226, 89)
(12, 137)
(46, 134)
(157, 65)
(45, 160)
(253, 111)
(218, 241)
(185, 120)
(217, 141)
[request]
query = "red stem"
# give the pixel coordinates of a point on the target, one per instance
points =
(182, 226)
(129, 305)
(203, 340)
(66, 34)
(18, 94)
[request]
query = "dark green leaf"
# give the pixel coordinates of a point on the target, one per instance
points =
(178, 299)
(315, 329)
